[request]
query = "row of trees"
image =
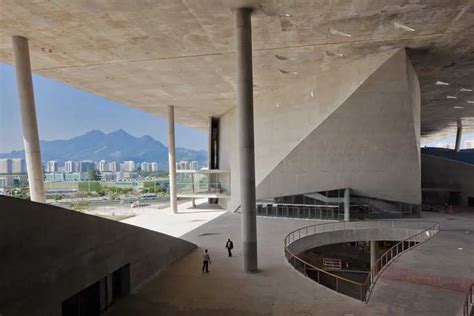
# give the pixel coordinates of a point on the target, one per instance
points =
(95, 188)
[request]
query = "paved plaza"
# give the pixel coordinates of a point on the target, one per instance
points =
(438, 271)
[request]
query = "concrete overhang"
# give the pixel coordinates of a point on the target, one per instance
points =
(148, 54)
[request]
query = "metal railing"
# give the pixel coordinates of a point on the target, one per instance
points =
(357, 290)
(468, 306)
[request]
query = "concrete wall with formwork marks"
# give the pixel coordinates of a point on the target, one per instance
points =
(358, 127)
(49, 254)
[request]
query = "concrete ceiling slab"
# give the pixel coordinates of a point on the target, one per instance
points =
(148, 55)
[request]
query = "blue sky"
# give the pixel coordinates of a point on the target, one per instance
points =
(64, 112)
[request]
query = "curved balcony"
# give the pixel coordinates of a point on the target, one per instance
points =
(408, 233)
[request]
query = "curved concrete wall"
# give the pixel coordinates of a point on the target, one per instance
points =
(350, 235)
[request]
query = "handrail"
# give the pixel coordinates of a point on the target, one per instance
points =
(468, 301)
(322, 270)
(375, 272)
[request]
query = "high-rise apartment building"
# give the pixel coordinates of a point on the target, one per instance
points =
(103, 166)
(86, 165)
(18, 165)
(183, 165)
(149, 166)
(469, 144)
(70, 166)
(52, 166)
(113, 166)
(194, 165)
(5, 166)
(129, 166)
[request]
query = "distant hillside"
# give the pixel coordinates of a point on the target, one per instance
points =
(465, 155)
(115, 146)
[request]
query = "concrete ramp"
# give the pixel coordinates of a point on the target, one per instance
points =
(49, 254)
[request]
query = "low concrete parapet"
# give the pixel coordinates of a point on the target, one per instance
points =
(49, 254)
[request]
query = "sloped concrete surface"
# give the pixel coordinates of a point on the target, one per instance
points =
(48, 254)
(369, 144)
(278, 289)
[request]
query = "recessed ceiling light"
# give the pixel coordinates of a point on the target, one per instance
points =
(470, 102)
(338, 33)
(442, 83)
(465, 90)
(451, 97)
(280, 57)
(273, 12)
(460, 248)
(400, 26)
(311, 94)
(458, 107)
(333, 54)
(286, 72)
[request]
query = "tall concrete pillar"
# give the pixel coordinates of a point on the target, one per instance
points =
(28, 119)
(172, 160)
(347, 204)
(373, 252)
(243, 30)
(458, 137)
(193, 188)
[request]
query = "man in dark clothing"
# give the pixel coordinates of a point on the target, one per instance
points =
(206, 260)
(229, 245)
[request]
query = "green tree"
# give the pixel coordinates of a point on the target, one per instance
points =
(93, 175)
(79, 205)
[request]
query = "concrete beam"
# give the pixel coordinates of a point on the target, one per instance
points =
(243, 30)
(28, 119)
(172, 160)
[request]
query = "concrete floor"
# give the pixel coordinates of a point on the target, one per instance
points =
(437, 269)
(176, 225)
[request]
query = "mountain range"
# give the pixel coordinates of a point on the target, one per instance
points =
(115, 146)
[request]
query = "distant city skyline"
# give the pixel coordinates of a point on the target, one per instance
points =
(64, 112)
(18, 166)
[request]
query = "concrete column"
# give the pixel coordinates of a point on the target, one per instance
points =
(347, 201)
(209, 153)
(172, 160)
(243, 30)
(28, 118)
(209, 159)
(373, 252)
(193, 188)
(458, 137)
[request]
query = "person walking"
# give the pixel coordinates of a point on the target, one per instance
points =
(229, 245)
(206, 260)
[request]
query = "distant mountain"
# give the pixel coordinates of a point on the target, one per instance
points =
(116, 146)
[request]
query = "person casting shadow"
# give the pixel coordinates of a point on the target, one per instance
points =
(206, 260)
(229, 245)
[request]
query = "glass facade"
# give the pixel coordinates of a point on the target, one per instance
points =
(329, 205)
